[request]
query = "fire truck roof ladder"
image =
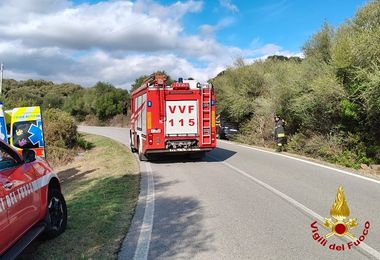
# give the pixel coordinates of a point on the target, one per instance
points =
(206, 113)
(155, 78)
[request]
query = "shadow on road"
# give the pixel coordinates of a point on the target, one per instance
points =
(218, 154)
(178, 229)
(172, 158)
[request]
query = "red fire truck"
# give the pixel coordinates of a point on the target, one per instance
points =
(176, 118)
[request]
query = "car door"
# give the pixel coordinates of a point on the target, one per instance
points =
(22, 202)
(4, 225)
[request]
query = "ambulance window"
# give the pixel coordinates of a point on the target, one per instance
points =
(21, 135)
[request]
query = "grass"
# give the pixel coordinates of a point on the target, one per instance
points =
(101, 190)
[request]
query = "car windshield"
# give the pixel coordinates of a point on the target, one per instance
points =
(6, 160)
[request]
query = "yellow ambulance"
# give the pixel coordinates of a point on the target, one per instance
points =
(22, 128)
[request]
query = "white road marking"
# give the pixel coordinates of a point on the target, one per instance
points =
(295, 203)
(142, 248)
(305, 161)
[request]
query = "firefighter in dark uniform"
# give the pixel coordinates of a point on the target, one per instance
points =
(218, 125)
(279, 133)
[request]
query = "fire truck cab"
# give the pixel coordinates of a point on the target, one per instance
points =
(176, 118)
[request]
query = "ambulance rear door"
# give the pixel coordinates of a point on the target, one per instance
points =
(26, 130)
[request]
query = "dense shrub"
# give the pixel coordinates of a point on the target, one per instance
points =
(61, 137)
(102, 100)
(344, 150)
(60, 129)
(330, 100)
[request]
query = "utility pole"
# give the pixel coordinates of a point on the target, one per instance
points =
(1, 77)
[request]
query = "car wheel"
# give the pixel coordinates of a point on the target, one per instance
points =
(56, 214)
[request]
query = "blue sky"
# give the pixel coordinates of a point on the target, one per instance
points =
(287, 23)
(85, 41)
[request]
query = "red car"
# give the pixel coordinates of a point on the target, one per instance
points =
(31, 202)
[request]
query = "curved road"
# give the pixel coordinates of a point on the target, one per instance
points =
(245, 203)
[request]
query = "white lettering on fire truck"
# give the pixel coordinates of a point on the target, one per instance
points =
(181, 117)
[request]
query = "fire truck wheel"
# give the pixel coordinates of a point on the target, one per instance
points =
(142, 157)
(56, 215)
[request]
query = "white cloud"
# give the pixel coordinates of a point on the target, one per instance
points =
(114, 41)
(42, 61)
(106, 25)
(279, 52)
(209, 30)
(229, 5)
(174, 11)
(268, 49)
(51, 64)
(19, 10)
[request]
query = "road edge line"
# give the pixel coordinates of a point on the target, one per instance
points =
(143, 243)
(305, 161)
(295, 203)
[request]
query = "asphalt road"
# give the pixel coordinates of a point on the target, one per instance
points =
(244, 203)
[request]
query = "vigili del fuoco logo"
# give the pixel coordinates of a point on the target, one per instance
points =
(340, 225)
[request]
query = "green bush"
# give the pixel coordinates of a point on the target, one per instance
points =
(330, 99)
(84, 144)
(60, 129)
(346, 150)
(102, 100)
(61, 136)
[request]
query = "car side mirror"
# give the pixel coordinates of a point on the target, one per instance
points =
(28, 155)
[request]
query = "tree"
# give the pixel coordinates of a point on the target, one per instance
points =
(319, 45)
(138, 82)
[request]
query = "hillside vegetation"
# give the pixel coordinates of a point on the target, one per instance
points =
(102, 101)
(330, 99)
(62, 105)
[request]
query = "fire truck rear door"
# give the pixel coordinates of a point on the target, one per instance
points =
(181, 118)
